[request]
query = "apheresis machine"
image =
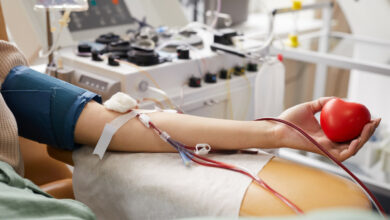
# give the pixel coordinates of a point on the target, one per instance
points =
(150, 51)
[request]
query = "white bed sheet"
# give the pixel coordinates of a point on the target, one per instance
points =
(159, 186)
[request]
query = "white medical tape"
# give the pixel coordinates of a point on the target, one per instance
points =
(144, 119)
(109, 130)
(144, 111)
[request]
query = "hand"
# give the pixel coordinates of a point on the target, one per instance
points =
(302, 115)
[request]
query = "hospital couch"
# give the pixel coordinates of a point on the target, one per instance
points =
(51, 175)
(309, 188)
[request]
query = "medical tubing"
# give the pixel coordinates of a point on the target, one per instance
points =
(215, 19)
(330, 156)
(187, 155)
(217, 164)
(63, 23)
(164, 94)
(179, 147)
(149, 76)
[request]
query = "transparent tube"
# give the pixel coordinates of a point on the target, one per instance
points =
(63, 23)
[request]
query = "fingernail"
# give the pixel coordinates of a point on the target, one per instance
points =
(378, 121)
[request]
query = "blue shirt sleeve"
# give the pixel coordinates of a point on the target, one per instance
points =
(46, 108)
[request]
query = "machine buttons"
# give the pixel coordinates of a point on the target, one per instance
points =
(93, 83)
(183, 52)
(210, 78)
(225, 36)
(224, 74)
(119, 46)
(239, 70)
(194, 82)
(107, 38)
(83, 50)
(251, 67)
(112, 60)
(96, 56)
(143, 58)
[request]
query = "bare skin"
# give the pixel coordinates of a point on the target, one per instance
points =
(219, 133)
(303, 116)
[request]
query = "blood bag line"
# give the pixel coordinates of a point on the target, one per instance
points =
(376, 203)
(187, 156)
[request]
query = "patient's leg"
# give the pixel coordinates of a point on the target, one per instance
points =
(307, 187)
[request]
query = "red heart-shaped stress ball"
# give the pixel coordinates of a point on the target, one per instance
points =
(343, 121)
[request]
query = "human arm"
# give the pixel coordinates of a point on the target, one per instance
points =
(188, 129)
(220, 134)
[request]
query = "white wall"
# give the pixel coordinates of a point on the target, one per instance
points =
(370, 18)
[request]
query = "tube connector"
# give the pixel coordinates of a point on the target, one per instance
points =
(165, 136)
(296, 4)
(202, 149)
(144, 119)
(293, 40)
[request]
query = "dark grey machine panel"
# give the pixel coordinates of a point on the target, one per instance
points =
(104, 14)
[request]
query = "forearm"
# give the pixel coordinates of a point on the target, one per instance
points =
(190, 130)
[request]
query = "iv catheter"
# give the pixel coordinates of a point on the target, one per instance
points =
(187, 156)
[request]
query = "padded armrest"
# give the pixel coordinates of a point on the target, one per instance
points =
(60, 189)
(64, 156)
(309, 188)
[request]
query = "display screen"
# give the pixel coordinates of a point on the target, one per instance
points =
(102, 14)
(78, 5)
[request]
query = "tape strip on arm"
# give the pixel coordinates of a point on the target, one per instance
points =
(109, 130)
(46, 109)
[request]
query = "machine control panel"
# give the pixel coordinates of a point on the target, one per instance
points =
(94, 83)
(104, 86)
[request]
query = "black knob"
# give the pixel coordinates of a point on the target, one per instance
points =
(225, 36)
(112, 60)
(107, 38)
(83, 49)
(251, 67)
(194, 82)
(119, 46)
(224, 74)
(183, 52)
(96, 56)
(239, 70)
(143, 58)
(210, 78)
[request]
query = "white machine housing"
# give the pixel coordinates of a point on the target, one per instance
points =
(211, 99)
(21, 18)
(225, 99)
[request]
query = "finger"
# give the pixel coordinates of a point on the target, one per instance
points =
(351, 150)
(318, 104)
(354, 146)
(377, 122)
(367, 132)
